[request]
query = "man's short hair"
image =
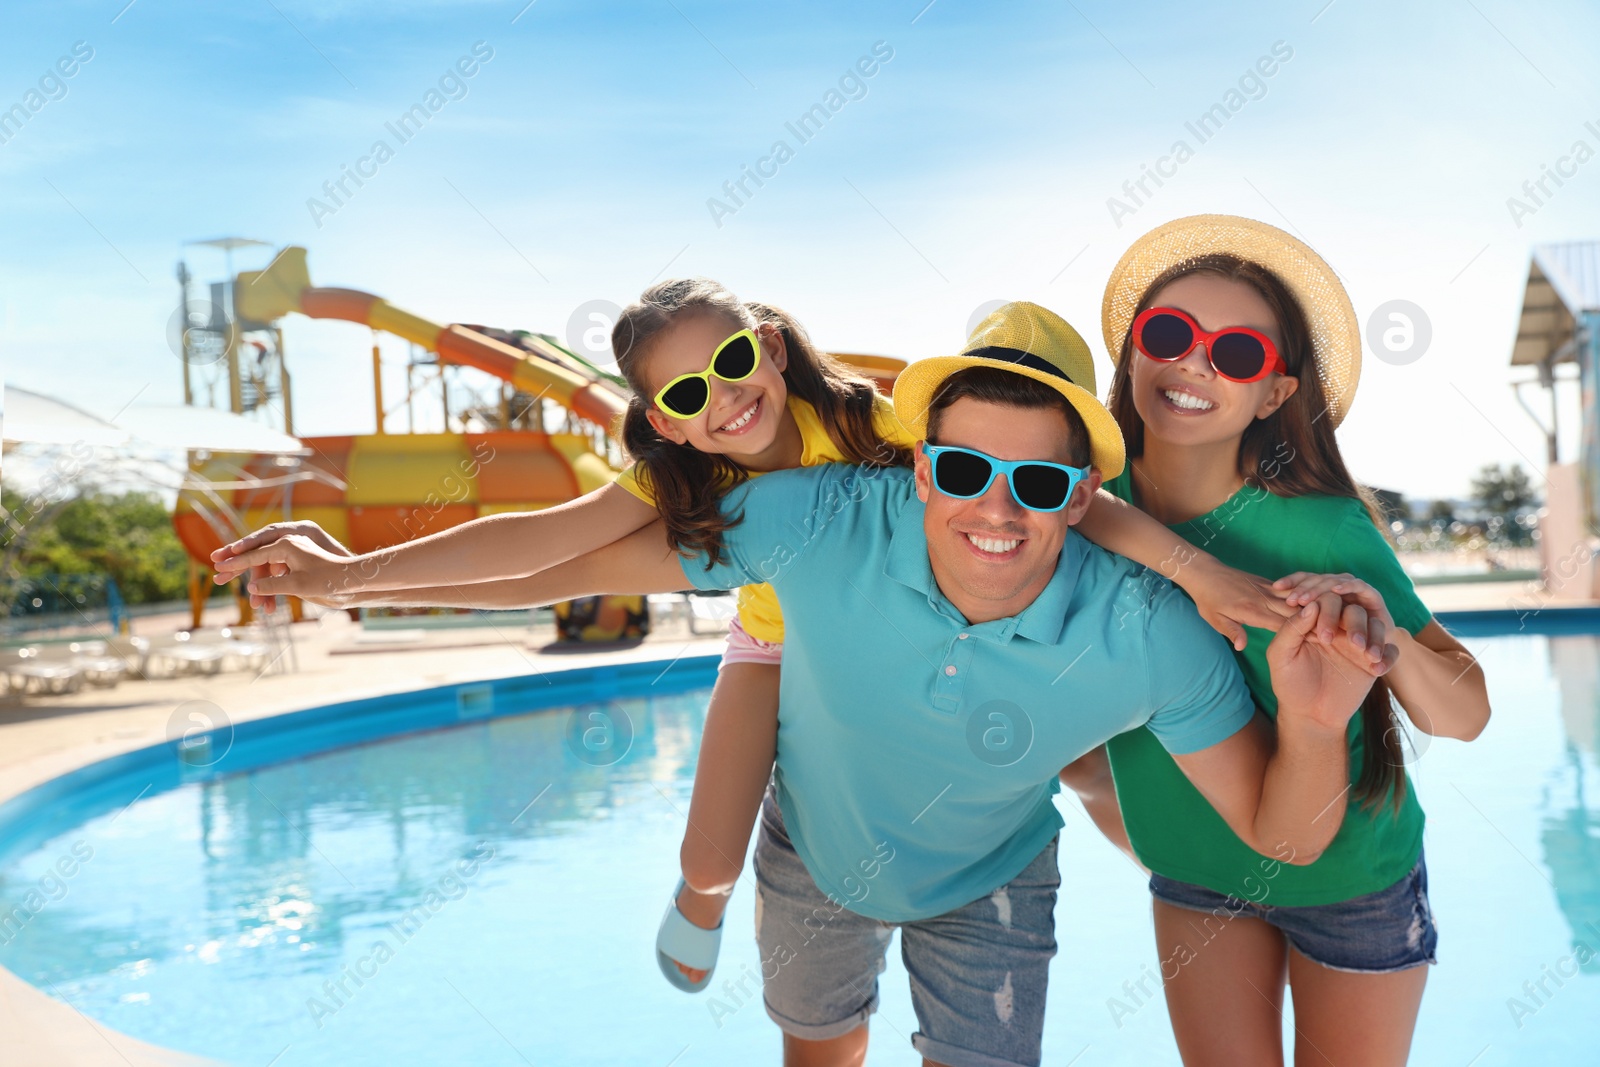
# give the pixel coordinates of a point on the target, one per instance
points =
(996, 386)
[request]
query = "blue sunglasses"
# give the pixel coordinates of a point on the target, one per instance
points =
(1036, 485)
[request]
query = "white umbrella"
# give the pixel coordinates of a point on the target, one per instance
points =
(211, 429)
(34, 419)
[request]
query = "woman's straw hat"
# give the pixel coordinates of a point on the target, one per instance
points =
(1335, 333)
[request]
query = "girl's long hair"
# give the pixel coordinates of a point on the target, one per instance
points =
(688, 484)
(1291, 452)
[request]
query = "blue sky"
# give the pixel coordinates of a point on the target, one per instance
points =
(975, 165)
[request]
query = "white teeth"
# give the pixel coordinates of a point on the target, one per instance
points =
(1187, 400)
(991, 544)
(749, 413)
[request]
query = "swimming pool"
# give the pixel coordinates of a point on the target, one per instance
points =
(487, 890)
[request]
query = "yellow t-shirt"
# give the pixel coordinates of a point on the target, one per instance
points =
(758, 604)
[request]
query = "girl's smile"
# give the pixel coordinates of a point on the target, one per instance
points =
(744, 419)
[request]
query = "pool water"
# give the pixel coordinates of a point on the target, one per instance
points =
(489, 894)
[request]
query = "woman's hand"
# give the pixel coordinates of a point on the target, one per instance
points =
(1302, 587)
(1319, 673)
(1440, 685)
(1229, 600)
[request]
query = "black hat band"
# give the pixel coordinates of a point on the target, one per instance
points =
(1021, 359)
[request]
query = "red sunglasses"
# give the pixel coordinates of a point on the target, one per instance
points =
(1237, 353)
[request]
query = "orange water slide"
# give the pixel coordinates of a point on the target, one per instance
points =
(285, 286)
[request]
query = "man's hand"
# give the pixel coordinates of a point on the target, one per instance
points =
(1289, 789)
(292, 565)
(1324, 660)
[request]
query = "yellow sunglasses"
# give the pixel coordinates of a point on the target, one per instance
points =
(735, 359)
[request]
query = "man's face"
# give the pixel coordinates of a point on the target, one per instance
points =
(990, 555)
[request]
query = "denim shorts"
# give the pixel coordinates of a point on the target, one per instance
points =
(978, 973)
(1390, 930)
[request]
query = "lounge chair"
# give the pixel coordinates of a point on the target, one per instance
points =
(133, 651)
(33, 668)
(100, 667)
(181, 652)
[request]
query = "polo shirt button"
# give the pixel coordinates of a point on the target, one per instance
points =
(963, 637)
(950, 670)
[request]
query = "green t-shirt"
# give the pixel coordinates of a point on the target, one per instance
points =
(1174, 831)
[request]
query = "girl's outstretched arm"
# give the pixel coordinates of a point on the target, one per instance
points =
(1439, 683)
(639, 563)
(487, 549)
(1228, 599)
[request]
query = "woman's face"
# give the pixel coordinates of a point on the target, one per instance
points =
(1186, 402)
(743, 417)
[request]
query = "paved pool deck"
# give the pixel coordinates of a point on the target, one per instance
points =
(43, 736)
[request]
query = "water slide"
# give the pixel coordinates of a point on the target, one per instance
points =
(541, 369)
(537, 367)
(398, 486)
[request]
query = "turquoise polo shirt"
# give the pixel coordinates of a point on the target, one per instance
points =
(918, 753)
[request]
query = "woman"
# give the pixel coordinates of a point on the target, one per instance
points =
(1237, 354)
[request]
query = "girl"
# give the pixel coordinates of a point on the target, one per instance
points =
(722, 391)
(1237, 354)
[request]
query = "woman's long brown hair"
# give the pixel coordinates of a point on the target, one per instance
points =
(688, 484)
(1291, 452)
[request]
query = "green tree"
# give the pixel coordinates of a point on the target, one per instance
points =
(128, 536)
(1504, 493)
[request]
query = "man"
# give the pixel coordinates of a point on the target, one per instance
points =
(950, 646)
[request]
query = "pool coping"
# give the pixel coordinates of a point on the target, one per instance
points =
(42, 1031)
(1537, 619)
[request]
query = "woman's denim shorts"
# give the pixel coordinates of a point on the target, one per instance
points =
(1390, 930)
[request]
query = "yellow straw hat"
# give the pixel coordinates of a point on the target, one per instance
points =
(1335, 333)
(1027, 340)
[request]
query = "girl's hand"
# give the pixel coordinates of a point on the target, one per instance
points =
(292, 566)
(1322, 683)
(270, 533)
(227, 569)
(1229, 600)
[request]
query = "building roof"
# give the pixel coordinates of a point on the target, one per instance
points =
(1563, 283)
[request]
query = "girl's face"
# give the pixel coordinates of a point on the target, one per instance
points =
(743, 417)
(1186, 402)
